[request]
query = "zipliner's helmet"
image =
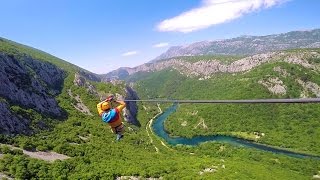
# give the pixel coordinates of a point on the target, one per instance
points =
(105, 106)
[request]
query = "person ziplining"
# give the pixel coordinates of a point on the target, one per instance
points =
(112, 115)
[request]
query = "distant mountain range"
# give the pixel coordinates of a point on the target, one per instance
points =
(247, 45)
(240, 46)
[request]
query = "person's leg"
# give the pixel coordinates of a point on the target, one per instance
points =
(119, 136)
(120, 131)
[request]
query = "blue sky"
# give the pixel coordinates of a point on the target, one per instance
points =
(103, 35)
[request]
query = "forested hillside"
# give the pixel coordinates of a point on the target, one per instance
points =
(293, 126)
(91, 147)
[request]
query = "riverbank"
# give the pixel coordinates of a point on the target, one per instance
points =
(159, 129)
(149, 124)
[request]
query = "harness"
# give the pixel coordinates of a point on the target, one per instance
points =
(119, 128)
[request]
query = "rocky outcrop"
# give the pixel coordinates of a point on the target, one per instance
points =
(282, 72)
(11, 123)
(79, 105)
(81, 81)
(31, 84)
(131, 107)
(309, 87)
(274, 85)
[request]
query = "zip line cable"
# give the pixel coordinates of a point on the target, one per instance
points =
(242, 101)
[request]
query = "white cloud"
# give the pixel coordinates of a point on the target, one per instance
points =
(213, 12)
(130, 53)
(160, 45)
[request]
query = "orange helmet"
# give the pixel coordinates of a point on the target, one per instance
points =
(105, 106)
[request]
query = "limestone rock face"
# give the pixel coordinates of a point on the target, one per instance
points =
(131, 107)
(31, 84)
(10, 123)
(81, 80)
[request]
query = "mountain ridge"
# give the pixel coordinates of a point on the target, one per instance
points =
(204, 67)
(247, 45)
(238, 46)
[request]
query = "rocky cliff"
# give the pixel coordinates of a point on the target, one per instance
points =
(131, 107)
(11, 123)
(30, 84)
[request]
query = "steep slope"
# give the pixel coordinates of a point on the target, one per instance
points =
(31, 81)
(30, 84)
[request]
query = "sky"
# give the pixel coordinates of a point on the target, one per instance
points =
(103, 35)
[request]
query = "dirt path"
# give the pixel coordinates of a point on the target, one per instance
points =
(149, 126)
(3, 176)
(46, 156)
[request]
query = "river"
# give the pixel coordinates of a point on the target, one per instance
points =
(158, 128)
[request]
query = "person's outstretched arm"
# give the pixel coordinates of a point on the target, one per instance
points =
(99, 105)
(121, 106)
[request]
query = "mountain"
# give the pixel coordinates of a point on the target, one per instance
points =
(247, 45)
(228, 49)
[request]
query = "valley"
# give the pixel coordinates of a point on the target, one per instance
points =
(70, 126)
